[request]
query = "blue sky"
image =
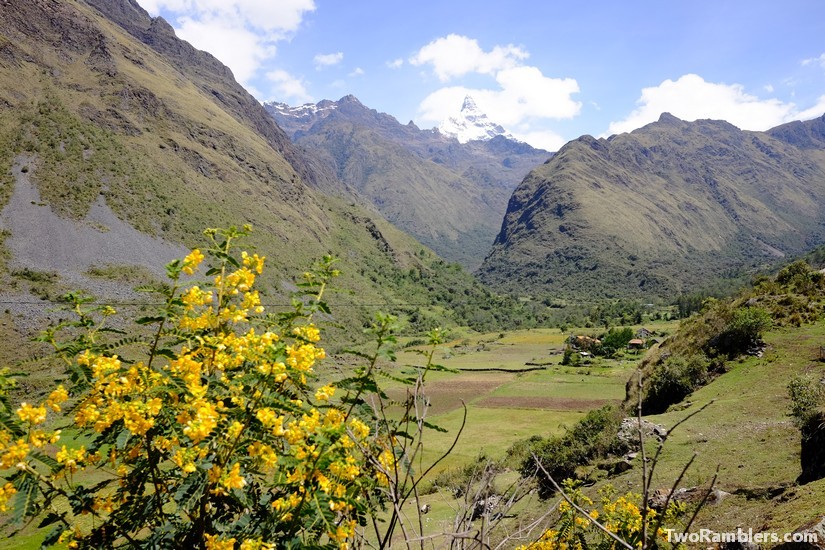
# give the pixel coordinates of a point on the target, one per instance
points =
(547, 71)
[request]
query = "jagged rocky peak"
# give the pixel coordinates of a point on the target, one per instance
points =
(301, 111)
(471, 124)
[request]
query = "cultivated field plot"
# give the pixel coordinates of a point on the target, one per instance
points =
(514, 387)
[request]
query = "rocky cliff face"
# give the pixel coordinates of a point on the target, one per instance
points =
(665, 209)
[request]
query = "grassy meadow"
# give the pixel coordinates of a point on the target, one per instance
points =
(504, 407)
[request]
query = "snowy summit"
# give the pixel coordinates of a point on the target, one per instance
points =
(471, 124)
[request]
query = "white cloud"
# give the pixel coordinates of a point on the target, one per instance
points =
(815, 61)
(521, 99)
(240, 49)
(691, 98)
(526, 93)
(357, 72)
(240, 33)
(541, 139)
(395, 63)
(525, 97)
(455, 55)
(289, 87)
(328, 59)
(282, 16)
(814, 112)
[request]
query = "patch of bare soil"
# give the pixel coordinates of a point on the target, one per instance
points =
(549, 403)
(447, 395)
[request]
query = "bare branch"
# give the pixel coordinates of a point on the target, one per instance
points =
(579, 509)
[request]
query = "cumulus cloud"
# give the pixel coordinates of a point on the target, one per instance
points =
(240, 33)
(541, 139)
(358, 71)
(395, 63)
(289, 87)
(814, 112)
(691, 98)
(520, 97)
(328, 59)
(240, 49)
(815, 61)
(454, 55)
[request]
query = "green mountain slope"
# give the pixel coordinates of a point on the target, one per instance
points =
(120, 143)
(665, 209)
(451, 196)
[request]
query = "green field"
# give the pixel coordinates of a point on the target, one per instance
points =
(504, 407)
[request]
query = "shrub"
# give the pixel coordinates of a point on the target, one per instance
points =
(594, 436)
(807, 398)
(743, 330)
(673, 380)
(217, 433)
(615, 339)
(623, 516)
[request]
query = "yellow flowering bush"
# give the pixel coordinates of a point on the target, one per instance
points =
(213, 434)
(576, 526)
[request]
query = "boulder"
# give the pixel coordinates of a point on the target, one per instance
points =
(814, 530)
(628, 433)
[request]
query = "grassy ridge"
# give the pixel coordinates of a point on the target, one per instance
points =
(649, 213)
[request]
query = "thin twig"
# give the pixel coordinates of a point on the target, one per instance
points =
(704, 499)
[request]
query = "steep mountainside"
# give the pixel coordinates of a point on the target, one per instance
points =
(668, 208)
(449, 195)
(120, 143)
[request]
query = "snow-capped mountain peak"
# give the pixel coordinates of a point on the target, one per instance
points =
(302, 112)
(471, 124)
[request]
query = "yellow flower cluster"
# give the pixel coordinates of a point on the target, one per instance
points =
(214, 542)
(621, 516)
(15, 451)
(192, 261)
(119, 393)
(6, 492)
(72, 459)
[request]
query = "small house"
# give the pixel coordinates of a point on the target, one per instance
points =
(636, 343)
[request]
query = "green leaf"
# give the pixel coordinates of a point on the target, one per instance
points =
(52, 464)
(123, 342)
(190, 490)
(405, 381)
(150, 319)
(53, 535)
(122, 439)
(11, 424)
(440, 368)
(168, 353)
(24, 503)
(435, 427)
